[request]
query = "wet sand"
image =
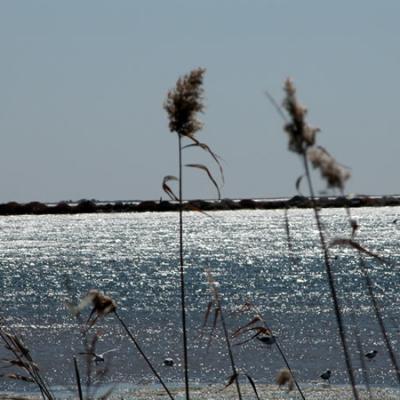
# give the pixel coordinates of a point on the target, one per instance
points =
(217, 392)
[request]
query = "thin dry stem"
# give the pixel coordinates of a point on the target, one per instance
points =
(216, 302)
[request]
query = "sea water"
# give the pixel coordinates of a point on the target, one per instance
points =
(46, 261)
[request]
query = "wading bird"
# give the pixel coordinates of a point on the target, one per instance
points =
(168, 362)
(268, 339)
(326, 376)
(371, 354)
(98, 358)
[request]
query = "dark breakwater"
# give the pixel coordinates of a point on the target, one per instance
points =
(93, 206)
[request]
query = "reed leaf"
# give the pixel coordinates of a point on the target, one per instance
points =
(231, 380)
(207, 148)
(298, 183)
(247, 340)
(204, 168)
(253, 385)
(356, 246)
(167, 189)
(242, 328)
(207, 314)
(18, 377)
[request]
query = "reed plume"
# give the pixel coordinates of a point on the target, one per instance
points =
(301, 135)
(185, 102)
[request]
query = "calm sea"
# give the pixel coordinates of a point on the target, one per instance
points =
(46, 260)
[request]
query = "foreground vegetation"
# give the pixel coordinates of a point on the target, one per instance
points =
(183, 104)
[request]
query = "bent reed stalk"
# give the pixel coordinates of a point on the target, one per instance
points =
(331, 282)
(302, 140)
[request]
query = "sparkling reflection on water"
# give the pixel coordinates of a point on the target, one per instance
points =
(133, 257)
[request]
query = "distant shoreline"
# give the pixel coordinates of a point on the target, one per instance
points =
(92, 206)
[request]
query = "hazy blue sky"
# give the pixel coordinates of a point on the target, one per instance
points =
(82, 85)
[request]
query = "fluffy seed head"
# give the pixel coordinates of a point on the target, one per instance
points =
(184, 102)
(301, 135)
(335, 174)
(102, 304)
(285, 377)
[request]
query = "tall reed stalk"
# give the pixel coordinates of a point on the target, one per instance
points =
(183, 104)
(182, 273)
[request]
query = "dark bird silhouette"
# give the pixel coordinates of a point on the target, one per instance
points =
(269, 339)
(168, 362)
(98, 358)
(326, 376)
(371, 354)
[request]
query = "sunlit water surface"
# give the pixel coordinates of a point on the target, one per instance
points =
(46, 260)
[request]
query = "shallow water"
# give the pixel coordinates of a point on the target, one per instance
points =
(46, 260)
